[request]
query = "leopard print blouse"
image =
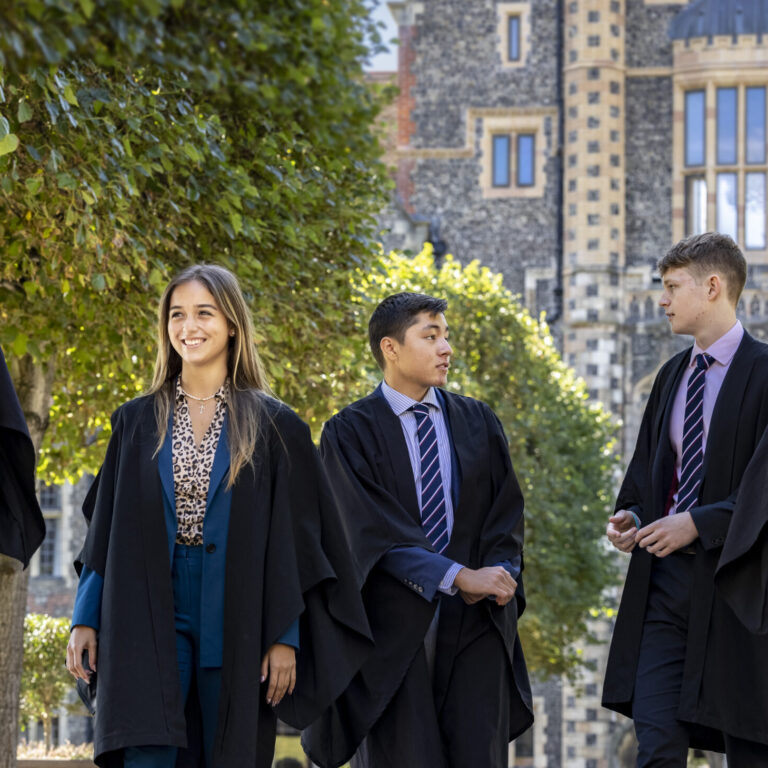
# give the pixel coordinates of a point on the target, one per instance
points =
(192, 466)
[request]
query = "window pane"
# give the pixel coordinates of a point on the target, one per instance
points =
(727, 221)
(513, 47)
(524, 744)
(754, 224)
(755, 125)
(694, 128)
(525, 156)
(50, 497)
(501, 160)
(696, 205)
(726, 125)
(48, 547)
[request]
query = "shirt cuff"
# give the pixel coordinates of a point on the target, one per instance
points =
(446, 585)
(291, 635)
(87, 609)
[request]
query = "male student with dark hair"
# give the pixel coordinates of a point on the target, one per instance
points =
(22, 527)
(434, 512)
(681, 663)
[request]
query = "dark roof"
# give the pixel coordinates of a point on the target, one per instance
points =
(707, 18)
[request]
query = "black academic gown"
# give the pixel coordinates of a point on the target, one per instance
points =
(725, 681)
(366, 456)
(742, 573)
(22, 528)
(287, 556)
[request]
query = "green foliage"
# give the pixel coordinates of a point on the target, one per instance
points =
(45, 681)
(139, 136)
(561, 446)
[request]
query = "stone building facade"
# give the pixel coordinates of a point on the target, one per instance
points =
(600, 86)
(568, 144)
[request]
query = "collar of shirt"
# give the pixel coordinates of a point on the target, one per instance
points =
(400, 403)
(220, 394)
(724, 348)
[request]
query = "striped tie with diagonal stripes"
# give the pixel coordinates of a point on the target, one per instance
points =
(433, 512)
(693, 436)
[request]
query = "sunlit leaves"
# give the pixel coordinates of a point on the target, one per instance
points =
(143, 147)
(45, 681)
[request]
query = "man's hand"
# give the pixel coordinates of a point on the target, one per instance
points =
(621, 531)
(665, 536)
(494, 581)
(279, 665)
(81, 639)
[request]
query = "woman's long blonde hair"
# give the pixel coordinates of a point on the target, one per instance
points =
(248, 382)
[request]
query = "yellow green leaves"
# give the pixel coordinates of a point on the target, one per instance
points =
(24, 112)
(8, 141)
(19, 344)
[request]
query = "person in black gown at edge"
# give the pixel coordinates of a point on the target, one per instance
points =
(215, 584)
(686, 666)
(22, 527)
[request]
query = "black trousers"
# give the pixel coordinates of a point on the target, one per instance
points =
(664, 740)
(471, 729)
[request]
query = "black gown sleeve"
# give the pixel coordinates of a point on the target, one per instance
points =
(374, 520)
(742, 573)
(99, 504)
(334, 635)
(22, 527)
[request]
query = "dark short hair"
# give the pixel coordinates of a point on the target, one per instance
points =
(395, 315)
(709, 252)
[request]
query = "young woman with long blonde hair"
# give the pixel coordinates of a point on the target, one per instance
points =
(215, 571)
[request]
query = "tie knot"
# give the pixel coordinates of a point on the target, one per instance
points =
(703, 361)
(421, 410)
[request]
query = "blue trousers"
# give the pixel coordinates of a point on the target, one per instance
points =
(187, 578)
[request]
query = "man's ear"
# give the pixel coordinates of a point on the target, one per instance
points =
(714, 286)
(388, 348)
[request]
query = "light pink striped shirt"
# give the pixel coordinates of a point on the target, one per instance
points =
(723, 351)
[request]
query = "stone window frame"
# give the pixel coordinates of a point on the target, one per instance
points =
(513, 122)
(523, 12)
(51, 503)
(495, 183)
(50, 544)
(684, 174)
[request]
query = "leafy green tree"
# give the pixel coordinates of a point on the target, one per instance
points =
(142, 136)
(561, 446)
(137, 137)
(45, 681)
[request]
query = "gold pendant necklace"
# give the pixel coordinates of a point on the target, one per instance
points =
(201, 400)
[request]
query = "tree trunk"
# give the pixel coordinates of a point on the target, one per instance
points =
(47, 733)
(13, 597)
(34, 384)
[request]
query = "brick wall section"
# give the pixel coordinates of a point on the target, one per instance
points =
(649, 169)
(648, 43)
(458, 65)
(450, 62)
(406, 128)
(404, 180)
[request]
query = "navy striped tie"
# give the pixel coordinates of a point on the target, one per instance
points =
(434, 519)
(693, 436)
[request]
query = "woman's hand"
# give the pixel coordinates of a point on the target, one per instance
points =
(81, 639)
(279, 665)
